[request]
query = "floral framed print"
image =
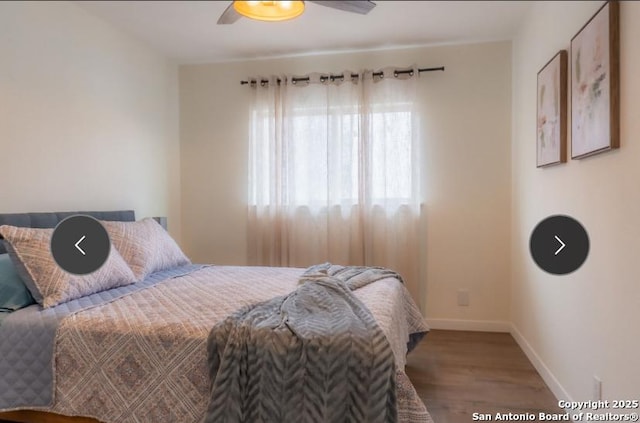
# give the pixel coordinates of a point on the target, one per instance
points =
(595, 101)
(551, 141)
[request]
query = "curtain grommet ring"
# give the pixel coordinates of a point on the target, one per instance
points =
(411, 73)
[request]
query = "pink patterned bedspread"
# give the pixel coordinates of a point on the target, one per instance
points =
(143, 357)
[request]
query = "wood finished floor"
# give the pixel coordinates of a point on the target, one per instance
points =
(459, 373)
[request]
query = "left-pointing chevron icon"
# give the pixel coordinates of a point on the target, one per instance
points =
(77, 245)
(80, 244)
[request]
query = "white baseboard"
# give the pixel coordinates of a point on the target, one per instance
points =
(471, 325)
(552, 382)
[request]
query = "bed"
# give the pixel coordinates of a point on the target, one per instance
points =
(138, 351)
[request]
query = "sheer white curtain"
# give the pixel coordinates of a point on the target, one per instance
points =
(334, 173)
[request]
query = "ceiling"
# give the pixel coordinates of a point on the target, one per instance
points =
(186, 31)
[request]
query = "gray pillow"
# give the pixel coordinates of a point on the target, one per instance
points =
(145, 246)
(14, 295)
(48, 283)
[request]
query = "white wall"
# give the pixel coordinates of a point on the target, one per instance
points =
(584, 323)
(88, 116)
(467, 175)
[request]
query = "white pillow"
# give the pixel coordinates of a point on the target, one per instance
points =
(145, 246)
(29, 249)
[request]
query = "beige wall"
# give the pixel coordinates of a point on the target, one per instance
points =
(88, 115)
(467, 174)
(584, 323)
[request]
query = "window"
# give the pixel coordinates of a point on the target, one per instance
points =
(329, 156)
(334, 175)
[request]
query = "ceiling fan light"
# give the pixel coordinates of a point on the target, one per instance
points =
(269, 10)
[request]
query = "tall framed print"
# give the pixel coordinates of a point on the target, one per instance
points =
(595, 105)
(551, 130)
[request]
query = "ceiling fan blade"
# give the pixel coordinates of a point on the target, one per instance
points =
(355, 6)
(229, 16)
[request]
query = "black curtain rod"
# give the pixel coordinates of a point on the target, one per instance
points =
(353, 75)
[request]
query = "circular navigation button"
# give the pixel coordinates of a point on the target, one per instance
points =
(559, 244)
(80, 244)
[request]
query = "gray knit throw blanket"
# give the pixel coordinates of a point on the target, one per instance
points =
(315, 355)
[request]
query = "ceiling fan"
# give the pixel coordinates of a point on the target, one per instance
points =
(283, 10)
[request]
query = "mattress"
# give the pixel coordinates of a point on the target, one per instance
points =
(141, 356)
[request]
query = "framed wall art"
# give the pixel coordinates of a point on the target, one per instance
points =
(595, 106)
(551, 128)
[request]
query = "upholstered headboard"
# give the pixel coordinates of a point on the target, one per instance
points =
(50, 220)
